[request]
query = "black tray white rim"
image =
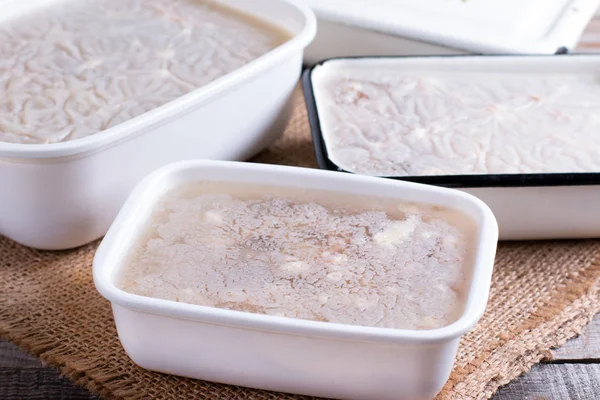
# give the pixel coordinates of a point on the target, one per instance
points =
(450, 181)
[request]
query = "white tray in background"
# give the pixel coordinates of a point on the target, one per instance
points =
(423, 27)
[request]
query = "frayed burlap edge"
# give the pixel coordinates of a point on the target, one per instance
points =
(565, 317)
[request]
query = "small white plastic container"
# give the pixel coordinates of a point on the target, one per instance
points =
(427, 27)
(527, 206)
(284, 354)
(63, 195)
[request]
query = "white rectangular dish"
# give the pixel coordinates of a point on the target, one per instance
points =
(405, 27)
(63, 195)
(527, 205)
(285, 354)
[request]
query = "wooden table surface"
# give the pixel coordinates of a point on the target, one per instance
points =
(575, 373)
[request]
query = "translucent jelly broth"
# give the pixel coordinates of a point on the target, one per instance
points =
(315, 255)
(74, 68)
(386, 122)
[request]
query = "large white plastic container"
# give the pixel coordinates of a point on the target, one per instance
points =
(527, 206)
(64, 195)
(283, 354)
(426, 27)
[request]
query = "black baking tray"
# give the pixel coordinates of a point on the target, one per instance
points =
(450, 181)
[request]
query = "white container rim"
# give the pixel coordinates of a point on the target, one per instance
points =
(132, 127)
(114, 247)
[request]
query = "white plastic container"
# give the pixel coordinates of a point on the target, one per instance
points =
(424, 27)
(281, 354)
(63, 195)
(527, 206)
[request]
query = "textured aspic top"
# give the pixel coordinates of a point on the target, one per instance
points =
(316, 256)
(383, 122)
(74, 68)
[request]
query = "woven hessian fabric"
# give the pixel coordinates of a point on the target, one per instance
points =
(542, 294)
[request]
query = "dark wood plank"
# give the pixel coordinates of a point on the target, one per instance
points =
(584, 347)
(555, 382)
(12, 357)
(39, 383)
(24, 377)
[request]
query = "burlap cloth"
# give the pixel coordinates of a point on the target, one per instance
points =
(542, 294)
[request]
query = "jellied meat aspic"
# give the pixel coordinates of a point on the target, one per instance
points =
(387, 122)
(317, 256)
(73, 68)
